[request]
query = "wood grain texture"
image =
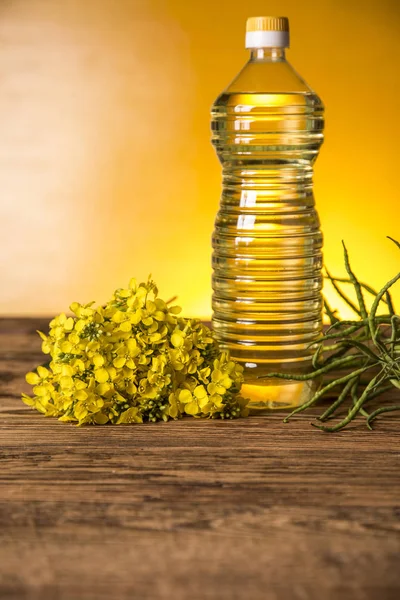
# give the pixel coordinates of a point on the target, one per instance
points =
(191, 509)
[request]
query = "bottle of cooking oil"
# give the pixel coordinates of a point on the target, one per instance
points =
(267, 306)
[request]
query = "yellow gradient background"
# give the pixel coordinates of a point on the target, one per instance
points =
(106, 166)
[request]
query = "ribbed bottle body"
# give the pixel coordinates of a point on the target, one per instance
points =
(267, 243)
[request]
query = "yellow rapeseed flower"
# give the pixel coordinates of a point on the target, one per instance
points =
(133, 360)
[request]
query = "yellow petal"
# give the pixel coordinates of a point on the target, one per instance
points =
(160, 304)
(118, 316)
(32, 378)
(175, 310)
(67, 418)
(66, 347)
(200, 392)
(215, 388)
(125, 326)
(101, 375)
(75, 306)
(173, 411)
(100, 418)
(93, 347)
(203, 402)
(153, 327)
(216, 375)
(98, 315)
(78, 364)
(176, 340)
(207, 408)
(98, 360)
(185, 396)
(159, 315)
(43, 372)
(69, 324)
(155, 337)
(133, 347)
(191, 408)
(150, 306)
(28, 400)
(103, 388)
(80, 385)
(67, 370)
(66, 382)
(112, 373)
(131, 389)
(80, 411)
(141, 292)
(46, 348)
(217, 400)
(226, 382)
(74, 338)
(130, 416)
(41, 390)
(136, 317)
(119, 362)
(80, 325)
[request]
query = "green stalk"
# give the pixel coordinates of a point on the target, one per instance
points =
(379, 391)
(394, 241)
(343, 361)
(341, 334)
(356, 284)
(316, 356)
(355, 399)
(389, 302)
(363, 348)
(365, 287)
(323, 391)
(352, 413)
(331, 313)
(379, 411)
(375, 304)
(353, 324)
(343, 395)
(394, 335)
(367, 342)
(342, 294)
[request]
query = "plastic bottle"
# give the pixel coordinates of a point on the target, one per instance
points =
(267, 245)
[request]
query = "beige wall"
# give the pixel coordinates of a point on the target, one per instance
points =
(106, 169)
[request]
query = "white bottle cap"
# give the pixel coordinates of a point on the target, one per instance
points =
(267, 32)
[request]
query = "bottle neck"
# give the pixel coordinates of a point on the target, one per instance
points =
(267, 54)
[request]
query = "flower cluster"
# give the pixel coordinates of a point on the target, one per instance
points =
(131, 361)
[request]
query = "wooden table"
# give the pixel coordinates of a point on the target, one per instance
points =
(191, 509)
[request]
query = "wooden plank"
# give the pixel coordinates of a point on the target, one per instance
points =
(191, 509)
